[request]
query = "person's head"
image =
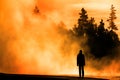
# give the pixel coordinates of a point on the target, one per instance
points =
(80, 51)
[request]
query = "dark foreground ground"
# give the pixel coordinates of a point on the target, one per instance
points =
(42, 77)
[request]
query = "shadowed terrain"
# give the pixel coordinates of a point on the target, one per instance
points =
(41, 77)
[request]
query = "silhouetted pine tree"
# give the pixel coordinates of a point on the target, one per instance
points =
(101, 41)
(112, 36)
(79, 29)
(91, 27)
(111, 19)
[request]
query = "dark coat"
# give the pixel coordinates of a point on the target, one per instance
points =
(80, 59)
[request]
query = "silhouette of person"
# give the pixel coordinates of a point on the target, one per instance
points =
(81, 63)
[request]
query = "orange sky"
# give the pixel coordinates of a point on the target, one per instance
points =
(67, 10)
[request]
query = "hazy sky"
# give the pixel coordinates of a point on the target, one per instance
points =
(67, 10)
(99, 9)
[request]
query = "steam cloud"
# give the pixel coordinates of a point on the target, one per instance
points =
(30, 42)
(38, 43)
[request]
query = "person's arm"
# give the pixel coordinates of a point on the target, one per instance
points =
(77, 61)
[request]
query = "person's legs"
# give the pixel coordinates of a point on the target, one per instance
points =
(82, 71)
(79, 71)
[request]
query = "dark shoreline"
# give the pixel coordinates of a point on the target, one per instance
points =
(4, 76)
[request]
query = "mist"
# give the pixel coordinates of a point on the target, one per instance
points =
(40, 43)
(30, 42)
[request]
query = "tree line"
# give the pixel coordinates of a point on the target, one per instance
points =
(102, 41)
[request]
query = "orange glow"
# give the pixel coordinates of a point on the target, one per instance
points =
(31, 43)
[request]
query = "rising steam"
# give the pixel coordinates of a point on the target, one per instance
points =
(38, 43)
(30, 42)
